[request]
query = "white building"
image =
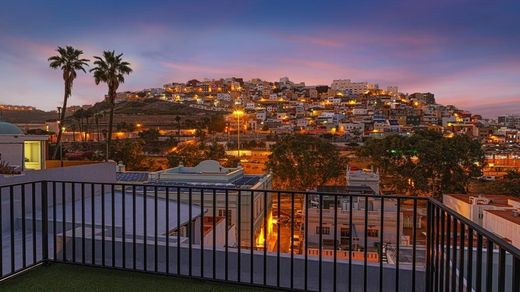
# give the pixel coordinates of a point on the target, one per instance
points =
(393, 90)
(354, 231)
(23, 152)
(505, 223)
(363, 177)
(473, 207)
(352, 88)
(210, 173)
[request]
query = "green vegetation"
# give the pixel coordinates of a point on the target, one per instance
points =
(32, 116)
(427, 162)
(60, 277)
(110, 69)
(303, 162)
(130, 152)
(5, 168)
(512, 183)
(69, 61)
(191, 154)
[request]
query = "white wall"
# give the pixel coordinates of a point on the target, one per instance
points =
(502, 227)
(103, 172)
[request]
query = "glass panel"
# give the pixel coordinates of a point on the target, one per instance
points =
(33, 157)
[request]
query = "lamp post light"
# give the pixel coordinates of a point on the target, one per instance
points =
(238, 113)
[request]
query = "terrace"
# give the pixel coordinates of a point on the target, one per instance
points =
(181, 237)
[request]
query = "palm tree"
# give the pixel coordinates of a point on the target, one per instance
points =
(69, 61)
(98, 116)
(178, 120)
(88, 115)
(78, 116)
(110, 69)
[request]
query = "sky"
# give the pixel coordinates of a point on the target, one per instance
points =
(465, 52)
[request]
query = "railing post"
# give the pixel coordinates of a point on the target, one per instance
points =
(429, 246)
(45, 222)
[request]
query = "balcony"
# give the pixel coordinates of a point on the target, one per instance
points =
(259, 238)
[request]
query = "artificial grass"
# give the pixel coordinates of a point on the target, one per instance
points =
(62, 277)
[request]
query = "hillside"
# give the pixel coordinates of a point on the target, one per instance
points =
(30, 116)
(156, 107)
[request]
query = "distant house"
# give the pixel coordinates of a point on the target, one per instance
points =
(24, 152)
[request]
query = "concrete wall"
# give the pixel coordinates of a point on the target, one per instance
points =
(103, 172)
(502, 227)
(99, 173)
(298, 263)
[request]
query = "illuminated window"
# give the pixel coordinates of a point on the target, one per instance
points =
(33, 155)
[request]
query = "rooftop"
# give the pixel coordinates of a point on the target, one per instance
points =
(9, 129)
(494, 200)
(81, 278)
(506, 214)
(208, 173)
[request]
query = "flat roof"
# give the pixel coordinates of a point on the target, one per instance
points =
(130, 176)
(505, 214)
(128, 219)
(354, 190)
(142, 177)
(495, 200)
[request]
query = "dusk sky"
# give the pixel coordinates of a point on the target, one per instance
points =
(466, 52)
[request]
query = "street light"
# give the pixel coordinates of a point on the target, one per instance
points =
(238, 113)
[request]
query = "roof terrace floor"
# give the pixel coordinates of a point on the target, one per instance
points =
(65, 277)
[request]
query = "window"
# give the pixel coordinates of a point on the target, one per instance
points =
(372, 232)
(223, 213)
(324, 230)
(32, 155)
(345, 232)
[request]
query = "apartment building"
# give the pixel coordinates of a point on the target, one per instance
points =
(210, 173)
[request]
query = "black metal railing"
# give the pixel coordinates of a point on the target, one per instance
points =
(277, 239)
(463, 256)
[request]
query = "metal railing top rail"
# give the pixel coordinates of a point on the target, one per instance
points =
(224, 188)
(488, 234)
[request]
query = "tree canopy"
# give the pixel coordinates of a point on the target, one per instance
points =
(426, 161)
(512, 183)
(191, 154)
(303, 162)
(130, 152)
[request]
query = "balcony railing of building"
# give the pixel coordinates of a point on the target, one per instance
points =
(276, 239)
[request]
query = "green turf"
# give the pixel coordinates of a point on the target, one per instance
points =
(60, 277)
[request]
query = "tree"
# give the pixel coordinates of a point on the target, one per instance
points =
(78, 117)
(201, 135)
(512, 183)
(230, 161)
(110, 69)
(129, 152)
(188, 153)
(69, 61)
(88, 114)
(217, 123)
(178, 120)
(303, 162)
(150, 136)
(426, 162)
(98, 116)
(215, 151)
